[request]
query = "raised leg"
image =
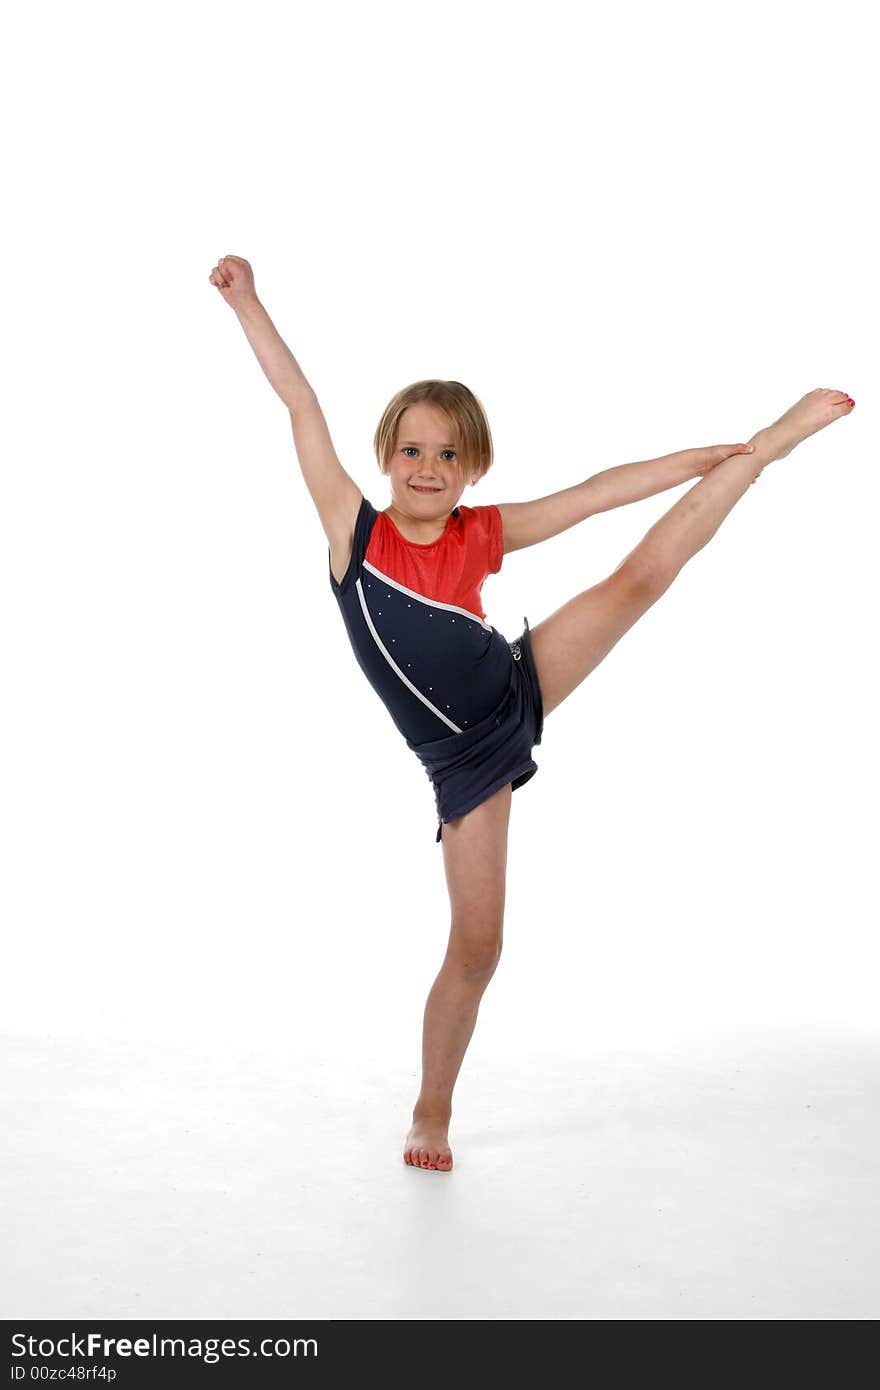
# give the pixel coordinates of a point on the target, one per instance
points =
(569, 644)
(475, 860)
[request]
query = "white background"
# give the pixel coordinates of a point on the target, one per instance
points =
(629, 229)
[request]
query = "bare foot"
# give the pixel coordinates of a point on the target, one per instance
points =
(812, 412)
(426, 1145)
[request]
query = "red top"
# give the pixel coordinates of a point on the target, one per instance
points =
(452, 568)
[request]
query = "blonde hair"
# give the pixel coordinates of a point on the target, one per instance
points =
(465, 412)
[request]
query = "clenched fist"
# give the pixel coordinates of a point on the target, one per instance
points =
(234, 278)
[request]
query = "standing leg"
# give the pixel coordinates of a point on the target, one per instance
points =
(475, 859)
(569, 644)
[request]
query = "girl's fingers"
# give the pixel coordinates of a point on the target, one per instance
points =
(228, 271)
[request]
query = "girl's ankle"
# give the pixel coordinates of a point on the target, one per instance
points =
(432, 1110)
(766, 446)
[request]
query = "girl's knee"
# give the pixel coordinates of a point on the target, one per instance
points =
(476, 952)
(644, 574)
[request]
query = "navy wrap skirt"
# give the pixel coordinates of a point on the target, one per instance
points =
(467, 768)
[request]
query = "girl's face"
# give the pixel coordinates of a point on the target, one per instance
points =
(426, 477)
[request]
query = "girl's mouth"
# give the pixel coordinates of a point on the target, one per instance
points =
(416, 488)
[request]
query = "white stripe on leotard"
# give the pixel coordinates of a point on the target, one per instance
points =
(393, 664)
(432, 602)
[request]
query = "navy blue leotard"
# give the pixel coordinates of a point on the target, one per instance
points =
(451, 682)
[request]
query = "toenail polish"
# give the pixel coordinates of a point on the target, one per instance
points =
(851, 401)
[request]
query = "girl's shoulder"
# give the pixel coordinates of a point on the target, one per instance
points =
(347, 555)
(484, 529)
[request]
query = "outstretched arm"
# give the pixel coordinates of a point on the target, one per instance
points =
(335, 494)
(527, 523)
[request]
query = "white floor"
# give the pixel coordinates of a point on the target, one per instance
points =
(737, 1180)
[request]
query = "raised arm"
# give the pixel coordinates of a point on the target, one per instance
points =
(527, 523)
(335, 494)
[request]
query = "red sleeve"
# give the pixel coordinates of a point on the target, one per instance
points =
(495, 537)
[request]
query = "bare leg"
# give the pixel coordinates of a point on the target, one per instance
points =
(695, 518)
(569, 644)
(475, 858)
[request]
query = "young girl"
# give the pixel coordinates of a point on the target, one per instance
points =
(471, 705)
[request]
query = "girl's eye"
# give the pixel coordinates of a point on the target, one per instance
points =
(407, 447)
